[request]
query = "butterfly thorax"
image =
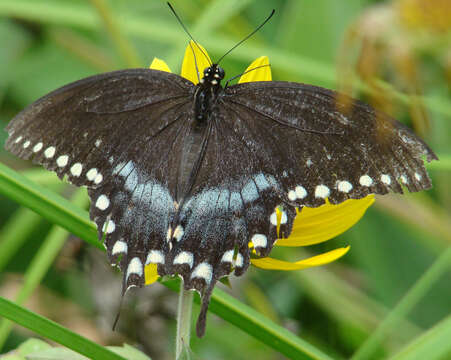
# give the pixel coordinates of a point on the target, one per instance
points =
(207, 91)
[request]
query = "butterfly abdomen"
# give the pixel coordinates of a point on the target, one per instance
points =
(192, 146)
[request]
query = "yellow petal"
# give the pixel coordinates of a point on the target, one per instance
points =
(318, 260)
(151, 274)
(260, 74)
(315, 225)
(193, 56)
(158, 64)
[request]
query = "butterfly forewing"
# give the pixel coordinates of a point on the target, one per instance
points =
(330, 149)
(120, 135)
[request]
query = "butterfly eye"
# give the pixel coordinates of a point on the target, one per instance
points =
(206, 71)
(220, 71)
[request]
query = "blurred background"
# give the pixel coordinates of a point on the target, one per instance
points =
(395, 55)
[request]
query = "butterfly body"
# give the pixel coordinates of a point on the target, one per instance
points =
(206, 94)
(185, 176)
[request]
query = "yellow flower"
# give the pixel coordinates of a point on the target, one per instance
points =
(432, 15)
(312, 225)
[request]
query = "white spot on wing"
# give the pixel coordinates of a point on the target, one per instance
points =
(102, 202)
(417, 176)
(26, 144)
(119, 247)
(344, 186)
(403, 179)
(292, 195)
(239, 260)
(185, 258)
(135, 266)
(203, 271)
(178, 232)
(155, 257)
(49, 152)
(19, 139)
(110, 227)
(98, 179)
(385, 179)
(62, 160)
(228, 256)
(259, 240)
(283, 218)
(322, 191)
(273, 218)
(38, 147)
(76, 169)
(300, 192)
(365, 180)
(98, 142)
(91, 174)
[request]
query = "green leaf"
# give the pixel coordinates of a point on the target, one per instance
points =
(432, 344)
(129, 352)
(57, 353)
(49, 205)
(32, 345)
(405, 305)
(54, 331)
(15, 232)
(40, 264)
(23, 222)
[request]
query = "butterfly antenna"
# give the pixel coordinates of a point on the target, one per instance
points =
(247, 37)
(186, 30)
(195, 61)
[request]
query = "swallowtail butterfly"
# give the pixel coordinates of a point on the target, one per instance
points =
(185, 176)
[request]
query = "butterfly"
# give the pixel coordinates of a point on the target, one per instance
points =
(186, 175)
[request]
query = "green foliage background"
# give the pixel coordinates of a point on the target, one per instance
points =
(388, 298)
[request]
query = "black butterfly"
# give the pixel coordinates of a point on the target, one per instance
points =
(185, 175)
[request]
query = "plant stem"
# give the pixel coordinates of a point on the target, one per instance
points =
(184, 311)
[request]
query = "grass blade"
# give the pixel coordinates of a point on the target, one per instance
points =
(432, 344)
(14, 233)
(412, 297)
(53, 331)
(40, 264)
(49, 205)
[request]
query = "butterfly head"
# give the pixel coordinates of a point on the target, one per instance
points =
(213, 75)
